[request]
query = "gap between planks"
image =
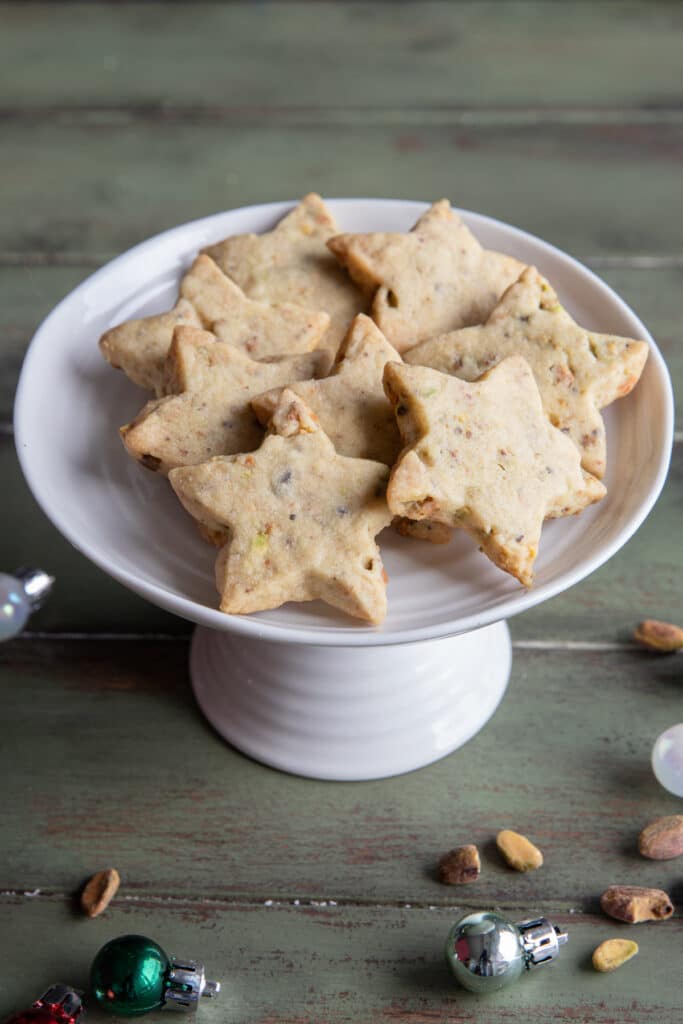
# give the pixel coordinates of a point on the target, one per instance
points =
(119, 115)
(95, 260)
(290, 902)
(595, 646)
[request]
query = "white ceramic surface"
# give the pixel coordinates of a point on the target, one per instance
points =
(303, 687)
(70, 403)
(350, 713)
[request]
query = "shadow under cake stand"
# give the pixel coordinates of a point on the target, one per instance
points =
(304, 688)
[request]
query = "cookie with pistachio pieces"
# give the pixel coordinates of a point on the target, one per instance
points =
(208, 412)
(139, 347)
(292, 264)
(353, 409)
(301, 519)
(484, 457)
(260, 329)
(432, 279)
(423, 529)
(577, 371)
(208, 297)
(350, 404)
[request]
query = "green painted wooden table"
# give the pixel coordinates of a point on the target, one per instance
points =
(311, 901)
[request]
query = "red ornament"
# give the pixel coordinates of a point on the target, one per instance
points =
(59, 1005)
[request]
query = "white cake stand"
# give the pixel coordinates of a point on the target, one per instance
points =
(304, 688)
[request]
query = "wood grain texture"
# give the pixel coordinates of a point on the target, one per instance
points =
(355, 55)
(30, 292)
(98, 187)
(317, 902)
(642, 581)
(344, 965)
(144, 785)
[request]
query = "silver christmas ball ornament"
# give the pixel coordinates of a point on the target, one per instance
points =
(486, 952)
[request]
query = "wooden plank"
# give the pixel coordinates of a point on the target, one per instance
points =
(30, 292)
(385, 55)
(92, 188)
(104, 756)
(343, 965)
(642, 581)
(111, 764)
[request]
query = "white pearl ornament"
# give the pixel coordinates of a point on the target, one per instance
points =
(20, 595)
(667, 759)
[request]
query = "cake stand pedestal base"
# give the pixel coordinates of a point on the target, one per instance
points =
(349, 713)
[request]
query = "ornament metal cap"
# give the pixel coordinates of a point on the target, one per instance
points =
(486, 952)
(63, 998)
(36, 584)
(61, 1004)
(541, 940)
(187, 984)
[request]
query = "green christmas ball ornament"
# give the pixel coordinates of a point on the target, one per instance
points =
(486, 952)
(132, 975)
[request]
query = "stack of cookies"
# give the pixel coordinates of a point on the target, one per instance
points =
(312, 388)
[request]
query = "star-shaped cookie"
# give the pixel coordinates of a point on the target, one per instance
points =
(301, 519)
(578, 372)
(350, 404)
(292, 264)
(432, 279)
(210, 299)
(260, 329)
(139, 347)
(208, 412)
(354, 412)
(484, 457)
